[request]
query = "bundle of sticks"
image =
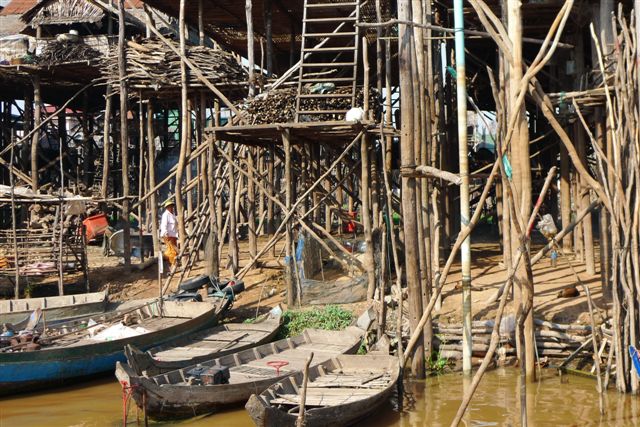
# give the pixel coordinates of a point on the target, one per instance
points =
(152, 65)
(279, 105)
(58, 52)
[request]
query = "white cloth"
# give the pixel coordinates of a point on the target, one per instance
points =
(168, 225)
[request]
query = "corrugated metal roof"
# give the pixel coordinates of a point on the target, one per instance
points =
(18, 7)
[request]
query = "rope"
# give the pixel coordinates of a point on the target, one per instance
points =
(127, 392)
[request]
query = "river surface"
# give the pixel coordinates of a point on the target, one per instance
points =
(552, 401)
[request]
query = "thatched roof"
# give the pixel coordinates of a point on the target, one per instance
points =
(56, 12)
(61, 12)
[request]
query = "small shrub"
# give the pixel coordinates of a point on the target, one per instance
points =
(330, 318)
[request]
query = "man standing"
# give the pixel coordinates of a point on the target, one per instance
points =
(169, 231)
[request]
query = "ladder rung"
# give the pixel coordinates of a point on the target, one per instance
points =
(327, 80)
(329, 49)
(325, 95)
(337, 19)
(331, 5)
(309, 112)
(329, 64)
(316, 35)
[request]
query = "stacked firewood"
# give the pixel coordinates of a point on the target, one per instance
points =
(58, 52)
(552, 339)
(151, 64)
(279, 105)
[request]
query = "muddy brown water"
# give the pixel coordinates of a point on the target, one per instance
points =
(552, 401)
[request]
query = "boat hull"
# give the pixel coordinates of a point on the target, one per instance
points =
(174, 401)
(28, 371)
(144, 361)
(54, 308)
(344, 414)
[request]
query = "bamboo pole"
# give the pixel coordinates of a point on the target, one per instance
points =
(106, 143)
(184, 136)
(465, 252)
(365, 184)
(291, 297)
(124, 134)
(250, 48)
(151, 157)
(141, 172)
(233, 257)
(251, 204)
(200, 23)
(13, 225)
(35, 140)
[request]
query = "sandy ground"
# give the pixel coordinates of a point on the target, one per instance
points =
(265, 286)
(488, 275)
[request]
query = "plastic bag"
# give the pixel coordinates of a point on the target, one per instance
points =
(547, 227)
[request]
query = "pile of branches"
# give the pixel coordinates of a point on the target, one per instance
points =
(279, 106)
(151, 64)
(58, 52)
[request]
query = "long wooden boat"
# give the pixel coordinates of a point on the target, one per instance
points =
(83, 353)
(54, 308)
(204, 345)
(340, 392)
(186, 392)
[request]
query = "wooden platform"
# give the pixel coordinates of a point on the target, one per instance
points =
(331, 133)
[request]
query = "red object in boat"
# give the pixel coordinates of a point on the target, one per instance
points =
(350, 226)
(95, 226)
(277, 364)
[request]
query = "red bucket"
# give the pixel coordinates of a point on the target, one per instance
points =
(95, 226)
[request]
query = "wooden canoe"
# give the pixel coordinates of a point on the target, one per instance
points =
(340, 392)
(178, 394)
(54, 308)
(76, 355)
(204, 345)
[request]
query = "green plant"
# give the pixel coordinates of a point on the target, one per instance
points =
(330, 317)
(436, 363)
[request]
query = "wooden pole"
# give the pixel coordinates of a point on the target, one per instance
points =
(250, 48)
(286, 145)
(35, 140)
(231, 214)
(124, 133)
(200, 23)
(251, 204)
(106, 143)
(303, 397)
(141, 172)
(522, 181)
(151, 157)
(268, 32)
(405, 49)
(13, 225)
(184, 136)
(365, 184)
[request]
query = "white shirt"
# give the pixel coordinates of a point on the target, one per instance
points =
(168, 225)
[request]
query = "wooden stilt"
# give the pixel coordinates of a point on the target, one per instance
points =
(409, 199)
(289, 280)
(35, 140)
(124, 134)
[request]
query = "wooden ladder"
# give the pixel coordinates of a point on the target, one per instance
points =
(342, 42)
